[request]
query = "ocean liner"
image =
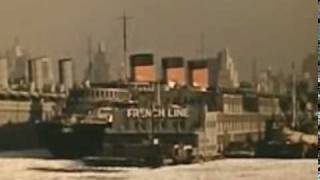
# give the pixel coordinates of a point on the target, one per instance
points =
(147, 120)
(18, 111)
(194, 110)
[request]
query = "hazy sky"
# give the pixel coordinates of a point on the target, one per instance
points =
(275, 32)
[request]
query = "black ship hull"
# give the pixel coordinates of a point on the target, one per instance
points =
(70, 141)
(86, 140)
(151, 149)
(272, 149)
(18, 136)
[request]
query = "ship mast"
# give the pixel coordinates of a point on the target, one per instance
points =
(124, 66)
(202, 46)
(294, 98)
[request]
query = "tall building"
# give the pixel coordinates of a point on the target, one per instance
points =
(99, 68)
(280, 83)
(228, 75)
(17, 63)
(268, 82)
(309, 71)
(4, 73)
(66, 73)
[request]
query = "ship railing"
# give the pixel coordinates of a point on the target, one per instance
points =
(94, 121)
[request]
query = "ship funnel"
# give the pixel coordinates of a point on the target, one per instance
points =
(65, 73)
(40, 72)
(173, 70)
(142, 68)
(198, 73)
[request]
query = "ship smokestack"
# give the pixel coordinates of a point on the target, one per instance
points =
(142, 68)
(173, 70)
(66, 73)
(198, 73)
(35, 73)
(40, 73)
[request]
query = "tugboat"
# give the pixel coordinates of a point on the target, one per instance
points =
(71, 136)
(77, 129)
(109, 122)
(282, 142)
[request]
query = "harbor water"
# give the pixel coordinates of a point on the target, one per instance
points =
(39, 165)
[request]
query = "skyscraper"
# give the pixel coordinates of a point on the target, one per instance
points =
(100, 67)
(309, 70)
(4, 73)
(17, 63)
(228, 75)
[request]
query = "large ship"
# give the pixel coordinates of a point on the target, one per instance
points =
(18, 111)
(130, 123)
(103, 120)
(193, 110)
(25, 99)
(145, 120)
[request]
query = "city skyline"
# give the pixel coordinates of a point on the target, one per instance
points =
(270, 31)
